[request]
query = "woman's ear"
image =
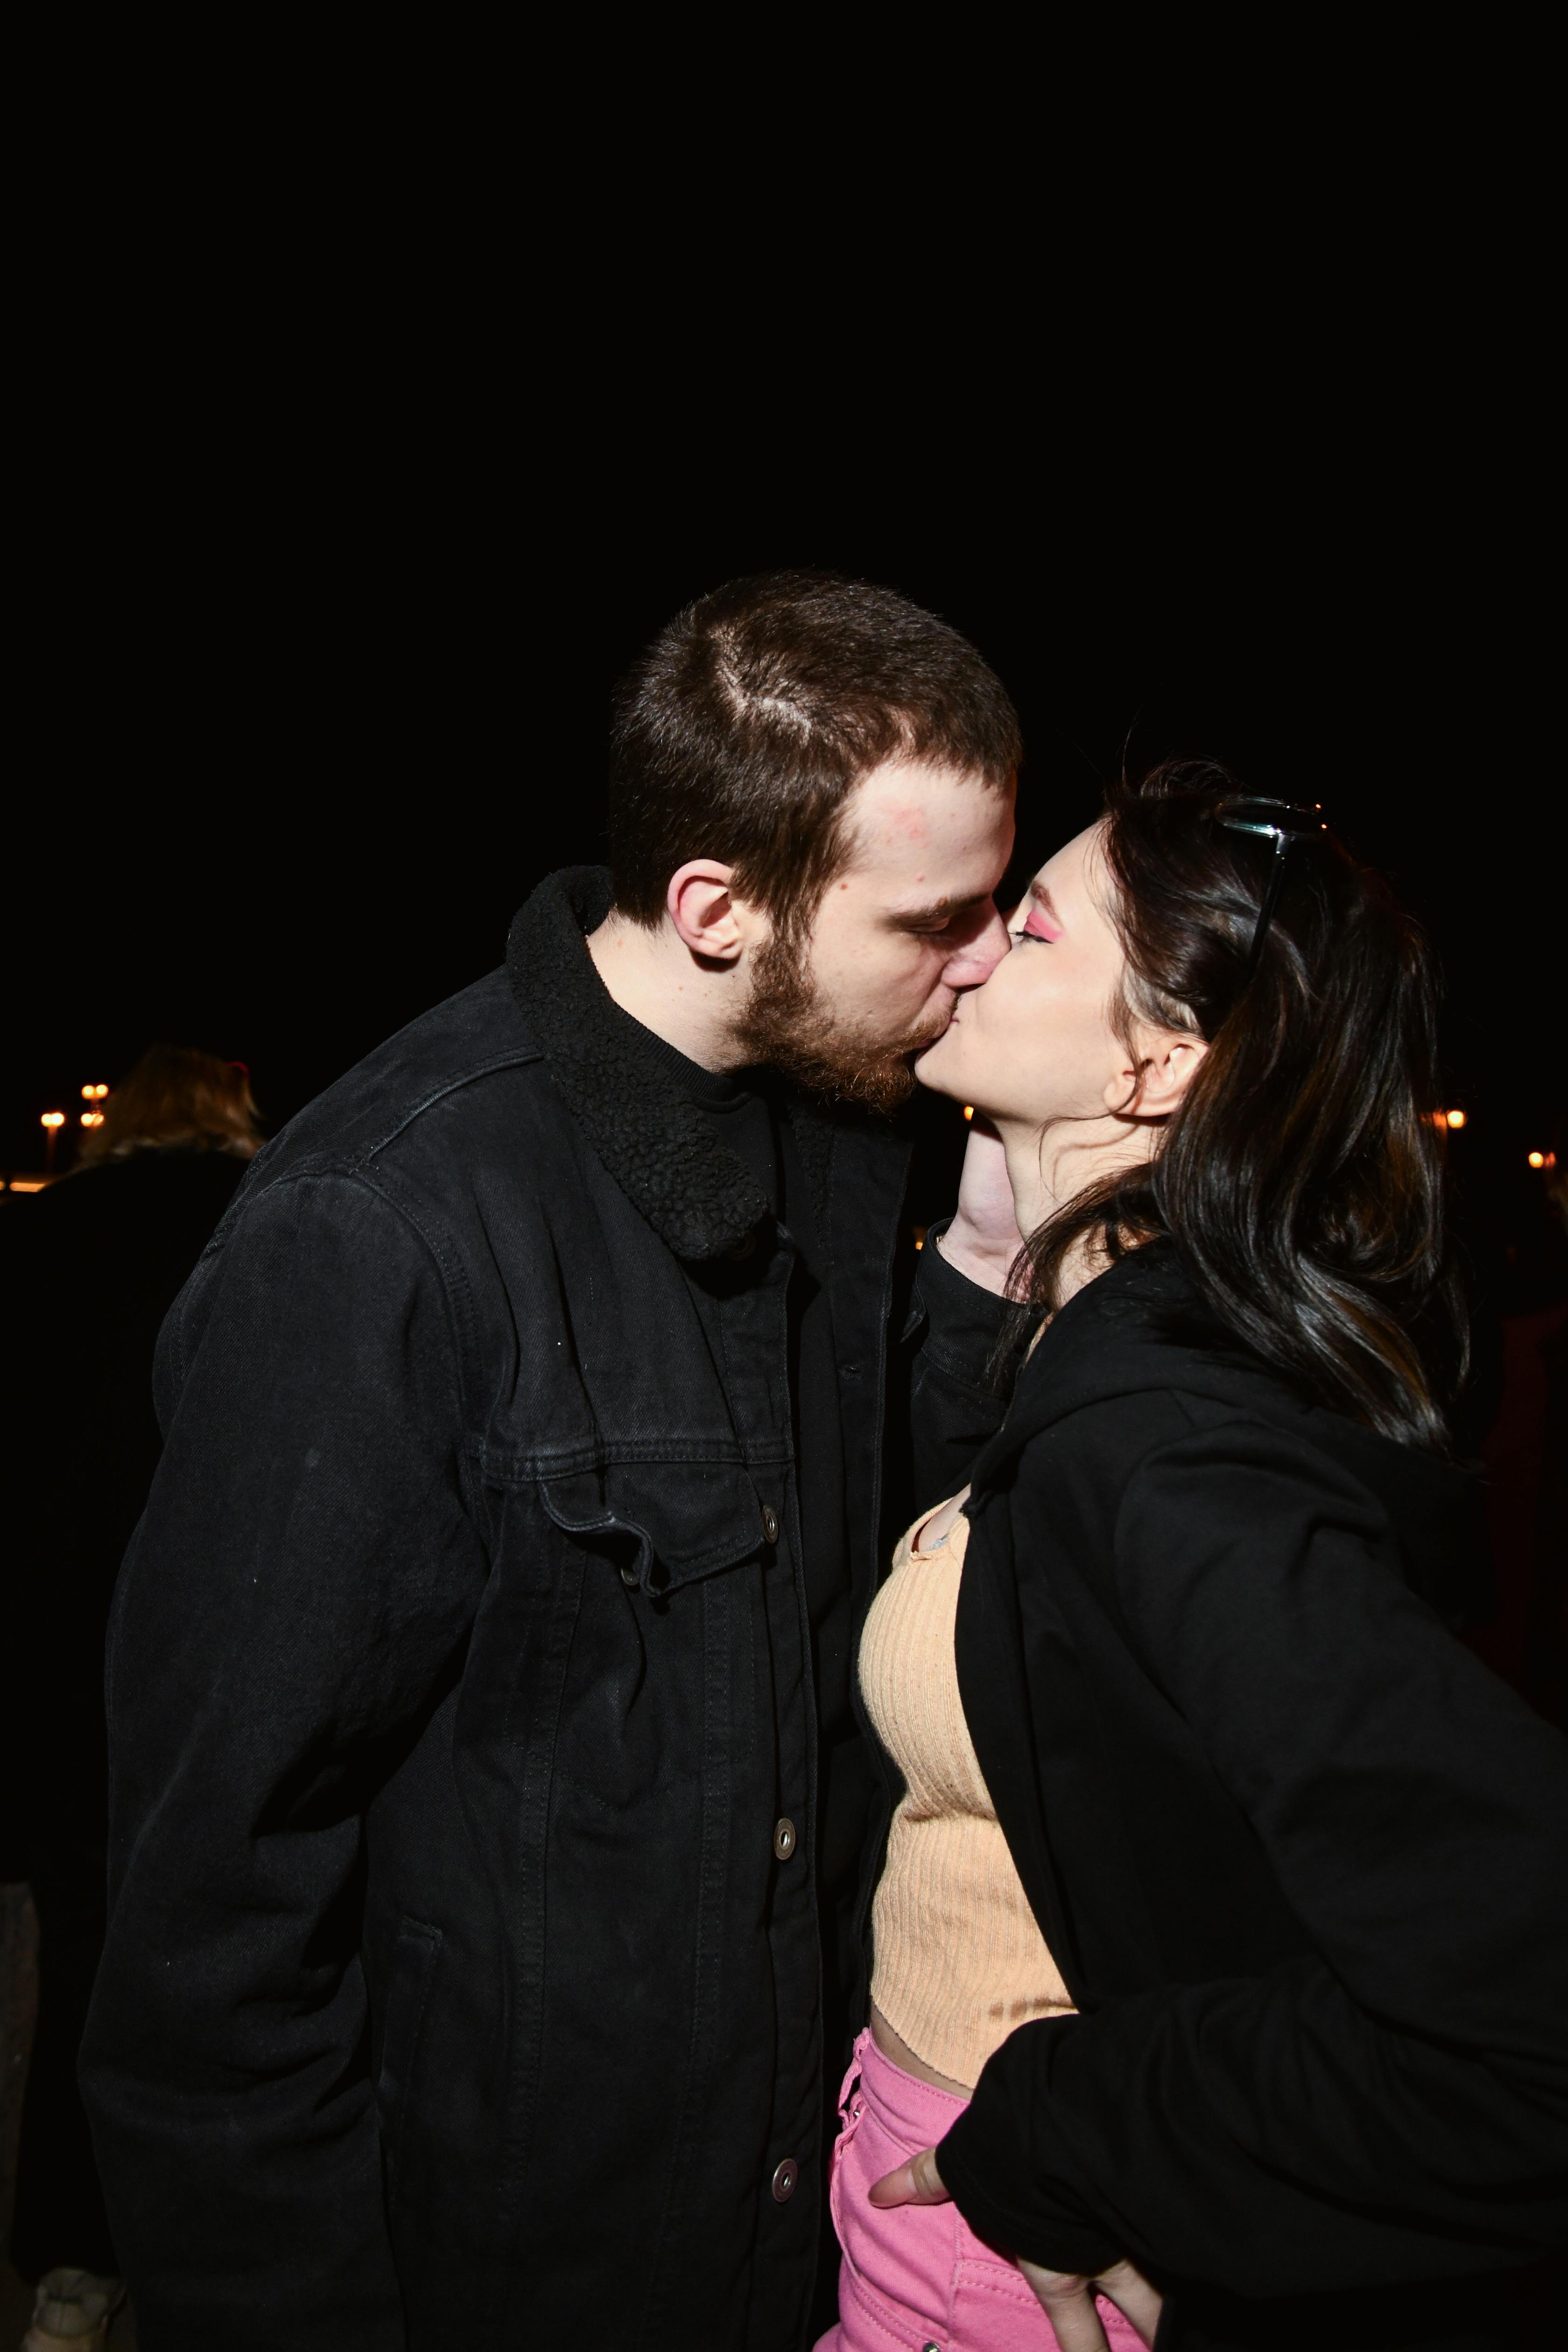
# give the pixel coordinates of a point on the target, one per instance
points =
(1168, 1061)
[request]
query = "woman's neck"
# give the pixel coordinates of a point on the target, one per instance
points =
(1047, 1167)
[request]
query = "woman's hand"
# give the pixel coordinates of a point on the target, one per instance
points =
(983, 1238)
(1067, 2300)
(916, 2183)
(1069, 2303)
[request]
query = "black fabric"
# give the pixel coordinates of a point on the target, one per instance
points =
(650, 1136)
(748, 1115)
(58, 2216)
(1302, 1860)
(958, 1326)
(89, 1269)
(455, 1686)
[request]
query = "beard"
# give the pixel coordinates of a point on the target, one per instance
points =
(788, 1026)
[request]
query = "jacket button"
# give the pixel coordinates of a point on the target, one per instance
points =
(783, 1838)
(784, 2179)
(743, 1247)
(770, 1524)
(631, 1578)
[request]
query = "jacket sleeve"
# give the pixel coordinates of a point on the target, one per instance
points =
(304, 1572)
(954, 1402)
(1393, 2106)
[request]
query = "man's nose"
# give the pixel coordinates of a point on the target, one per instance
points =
(980, 953)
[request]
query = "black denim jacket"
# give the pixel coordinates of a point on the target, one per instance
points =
(459, 1675)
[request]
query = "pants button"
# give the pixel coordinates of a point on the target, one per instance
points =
(784, 2177)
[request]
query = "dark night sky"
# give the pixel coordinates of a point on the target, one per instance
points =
(353, 459)
(309, 730)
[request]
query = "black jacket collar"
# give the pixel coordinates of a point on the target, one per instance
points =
(658, 1146)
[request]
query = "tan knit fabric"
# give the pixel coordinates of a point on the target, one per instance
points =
(959, 1959)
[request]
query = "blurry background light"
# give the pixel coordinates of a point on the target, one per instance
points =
(969, 1110)
(53, 1118)
(1455, 1117)
(1538, 1158)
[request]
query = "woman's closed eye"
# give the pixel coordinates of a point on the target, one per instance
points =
(1038, 926)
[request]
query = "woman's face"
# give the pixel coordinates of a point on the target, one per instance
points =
(1035, 1042)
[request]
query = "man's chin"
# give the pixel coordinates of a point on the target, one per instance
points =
(789, 1028)
(879, 1082)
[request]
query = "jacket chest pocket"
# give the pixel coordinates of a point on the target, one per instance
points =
(670, 1665)
(667, 1525)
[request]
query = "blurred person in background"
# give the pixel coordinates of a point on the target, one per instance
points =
(92, 1267)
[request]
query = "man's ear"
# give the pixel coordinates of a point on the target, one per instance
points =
(700, 904)
(1168, 1062)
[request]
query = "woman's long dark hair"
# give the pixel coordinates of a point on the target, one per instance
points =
(1301, 1178)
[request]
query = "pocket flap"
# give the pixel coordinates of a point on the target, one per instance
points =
(686, 1519)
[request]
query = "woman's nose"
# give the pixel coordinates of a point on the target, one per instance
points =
(979, 955)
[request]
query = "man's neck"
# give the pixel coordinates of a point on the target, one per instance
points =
(655, 977)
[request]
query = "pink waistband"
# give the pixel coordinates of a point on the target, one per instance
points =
(919, 2109)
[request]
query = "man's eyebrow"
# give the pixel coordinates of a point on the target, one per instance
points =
(940, 909)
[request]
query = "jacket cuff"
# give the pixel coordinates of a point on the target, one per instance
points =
(964, 1319)
(985, 2169)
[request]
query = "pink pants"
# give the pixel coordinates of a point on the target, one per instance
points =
(915, 2278)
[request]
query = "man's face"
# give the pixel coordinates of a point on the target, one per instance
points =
(909, 920)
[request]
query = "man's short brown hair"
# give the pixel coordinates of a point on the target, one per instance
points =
(741, 731)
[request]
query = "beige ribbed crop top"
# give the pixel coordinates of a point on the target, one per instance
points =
(958, 1958)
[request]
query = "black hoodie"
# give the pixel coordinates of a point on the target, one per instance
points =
(1303, 1861)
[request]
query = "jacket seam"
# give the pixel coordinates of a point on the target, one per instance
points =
(355, 1161)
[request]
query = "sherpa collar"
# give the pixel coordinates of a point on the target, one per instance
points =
(659, 1148)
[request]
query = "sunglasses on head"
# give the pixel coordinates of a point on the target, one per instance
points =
(1282, 822)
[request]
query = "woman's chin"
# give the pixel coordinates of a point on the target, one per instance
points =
(932, 1067)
